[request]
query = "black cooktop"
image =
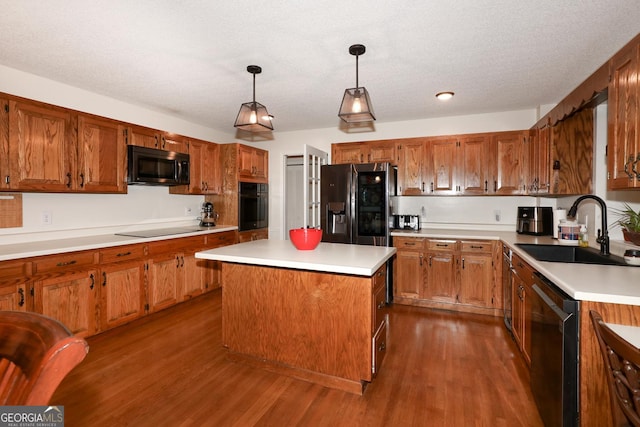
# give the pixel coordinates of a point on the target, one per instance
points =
(158, 232)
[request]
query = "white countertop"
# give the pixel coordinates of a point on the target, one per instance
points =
(587, 282)
(327, 257)
(57, 246)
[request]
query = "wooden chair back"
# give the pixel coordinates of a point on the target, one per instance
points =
(622, 366)
(36, 353)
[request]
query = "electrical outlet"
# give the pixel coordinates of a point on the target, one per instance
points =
(497, 213)
(46, 218)
(187, 211)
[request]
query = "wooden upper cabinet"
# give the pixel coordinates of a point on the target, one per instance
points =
(101, 156)
(411, 160)
(538, 178)
(509, 148)
(204, 171)
(253, 164)
(442, 166)
(152, 138)
(381, 151)
(623, 151)
(477, 165)
(572, 154)
(41, 147)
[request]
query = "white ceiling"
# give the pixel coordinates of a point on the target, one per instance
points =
(189, 58)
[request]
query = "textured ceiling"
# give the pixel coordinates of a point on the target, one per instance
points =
(189, 58)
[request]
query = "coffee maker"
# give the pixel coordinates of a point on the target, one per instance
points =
(208, 218)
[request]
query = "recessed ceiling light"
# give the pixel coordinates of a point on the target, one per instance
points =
(443, 96)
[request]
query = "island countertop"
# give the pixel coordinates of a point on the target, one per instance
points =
(327, 257)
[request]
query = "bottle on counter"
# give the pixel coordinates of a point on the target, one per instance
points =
(583, 240)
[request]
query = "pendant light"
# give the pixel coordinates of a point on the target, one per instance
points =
(356, 105)
(253, 116)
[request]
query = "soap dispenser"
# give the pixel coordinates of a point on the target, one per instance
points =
(584, 237)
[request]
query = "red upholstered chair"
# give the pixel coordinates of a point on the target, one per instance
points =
(622, 365)
(36, 353)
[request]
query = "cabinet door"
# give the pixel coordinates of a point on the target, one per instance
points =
(196, 168)
(411, 157)
(347, 153)
(539, 166)
(442, 166)
(623, 152)
(144, 137)
(476, 280)
(122, 293)
(40, 144)
(198, 274)
(380, 152)
(572, 154)
(517, 310)
(440, 283)
(101, 156)
(211, 173)
(172, 142)
(71, 299)
(509, 155)
(166, 275)
(14, 297)
(475, 165)
(408, 274)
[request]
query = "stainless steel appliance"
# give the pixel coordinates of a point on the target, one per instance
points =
(156, 167)
(506, 285)
(208, 217)
(554, 353)
(536, 220)
(253, 206)
(406, 222)
(355, 203)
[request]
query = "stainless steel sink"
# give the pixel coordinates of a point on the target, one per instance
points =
(572, 254)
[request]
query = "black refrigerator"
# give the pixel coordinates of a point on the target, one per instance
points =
(356, 203)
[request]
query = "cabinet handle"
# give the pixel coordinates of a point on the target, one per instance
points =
(381, 305)
(421, 257)
(432, 187)
(21, 292)
(157, 142)
(104, 279)
(463, 263)
(486, 186)
(633, 168)
(177, 261)
(69, 180)
(383, 346)
(81, 180)
(495, 186)
(430, 256)
(422, 189)
(442, 245)
(93, 281)
(62, 264)
(124, 254)
(410, 243)
(626, 167)
(476, 247)
(182, 263)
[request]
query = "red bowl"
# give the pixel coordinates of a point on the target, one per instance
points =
(305, 239)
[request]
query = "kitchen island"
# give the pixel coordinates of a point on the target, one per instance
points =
(315, 315)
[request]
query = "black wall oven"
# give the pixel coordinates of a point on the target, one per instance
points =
(253, 209)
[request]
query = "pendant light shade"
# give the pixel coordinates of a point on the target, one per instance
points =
(253, 116)
(356, 105)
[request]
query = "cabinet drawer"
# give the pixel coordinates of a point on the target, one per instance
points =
(63, 262)
(409, 243)
(379, 308)
(122, 253)
(221, 239)
(14, 268)
(379, 349)
(477, 246)
(442, 245)
(522, 269)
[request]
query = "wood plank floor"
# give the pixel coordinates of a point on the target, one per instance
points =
(169, 369)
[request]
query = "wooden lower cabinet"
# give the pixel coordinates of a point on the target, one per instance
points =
(121, 293)
(250, 235)
(521, 279)
(96, 290)
(71, 299)
(449, 274)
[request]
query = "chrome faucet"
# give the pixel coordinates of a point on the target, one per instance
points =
(603, 238)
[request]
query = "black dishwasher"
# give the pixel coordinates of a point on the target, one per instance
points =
(554, 353)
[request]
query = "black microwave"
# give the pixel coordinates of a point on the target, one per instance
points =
(156, 167)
